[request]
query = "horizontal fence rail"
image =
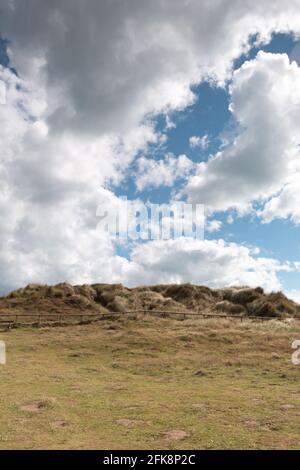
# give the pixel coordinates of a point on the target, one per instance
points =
(9, 320)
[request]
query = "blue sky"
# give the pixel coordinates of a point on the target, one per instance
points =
(186, 113)
(210, 116)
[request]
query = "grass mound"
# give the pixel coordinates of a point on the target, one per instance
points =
(104, 298)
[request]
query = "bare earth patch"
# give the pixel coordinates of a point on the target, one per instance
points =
(117, 387)
(287, 407)
(251, 424)
(59, 424)
(129, 422)
(176, 435)
(37, 406)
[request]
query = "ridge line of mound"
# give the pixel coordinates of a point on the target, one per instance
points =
(104, 298)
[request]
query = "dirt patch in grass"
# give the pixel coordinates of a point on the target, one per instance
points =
(37, 406)
(251, 424)
(129, 422)
(176, 435)
(59, 424)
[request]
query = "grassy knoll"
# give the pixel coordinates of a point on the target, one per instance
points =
(151, 383)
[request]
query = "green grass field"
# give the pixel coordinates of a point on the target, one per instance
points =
(151, 383)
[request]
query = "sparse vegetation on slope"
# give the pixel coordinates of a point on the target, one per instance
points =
(104, 298)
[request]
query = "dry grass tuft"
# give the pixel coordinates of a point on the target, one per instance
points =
(105, 298)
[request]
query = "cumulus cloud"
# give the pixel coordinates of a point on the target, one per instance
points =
(155, 173)
(211, 262)
(49, 194)
(213, 225)
(106, 65)
(92, 76)
(286, 204)
(200, 142)
(265, 100)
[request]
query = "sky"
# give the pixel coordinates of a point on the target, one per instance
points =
(160, 102)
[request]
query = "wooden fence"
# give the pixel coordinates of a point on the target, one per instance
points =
(10, 320)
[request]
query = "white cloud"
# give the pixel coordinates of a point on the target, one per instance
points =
(199, 142)
(230, 219)
(213, 225)
(294, 295)
(169, 123)
(106, 66)
(155, 173)
(91, 78)
(211, 262)
(49, 194)
(286, 204)
(265, 100)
